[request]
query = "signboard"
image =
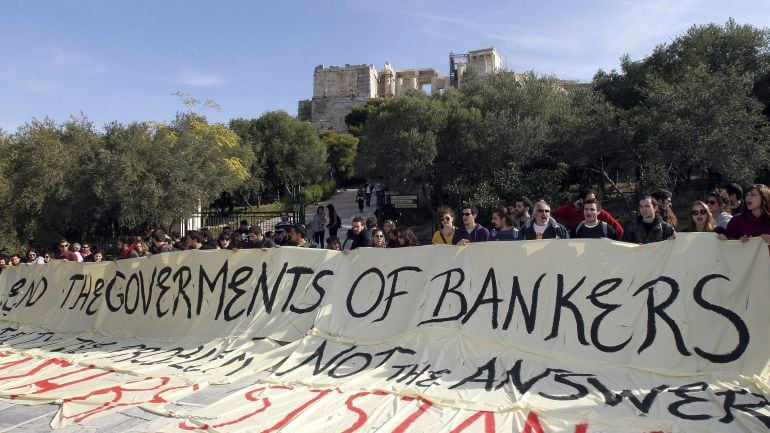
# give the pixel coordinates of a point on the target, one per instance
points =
(404, 201)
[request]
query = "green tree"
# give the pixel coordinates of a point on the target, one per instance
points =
(161, 173)
(41, 167)
(694, 106)
(294, 155)
(341, 150)
(521, 133)
(400, 143)
(8, 237)
(254, 186)
(708, 122)
(356, 119)
(594, 140)
(461, 163)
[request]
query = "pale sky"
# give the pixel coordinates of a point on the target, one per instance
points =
(117, 60)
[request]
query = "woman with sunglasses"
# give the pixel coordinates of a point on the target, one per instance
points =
(701, 219)
(378, 239)
(719, 203)
(446, 232)
(754, 218)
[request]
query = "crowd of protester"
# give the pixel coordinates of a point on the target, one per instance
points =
(729, 212)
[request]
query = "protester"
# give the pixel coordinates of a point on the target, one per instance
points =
(298, 237)
(85, 251)
(357, 236)
(194, 240)
(257, 240)
(333, 243)
(236, 241)
(572, 213)
(406, 237)
(389, 228)
(223, 240)
(591, 227)
(32, 258)
(281, 235)
(3, 264)
(735, 194)
(718, 202)
(96, 255)
(522, 210)
(159, 242)
(504, 229)
(243, 229)
(667, 214)
(334, 221)
(63, 252)
(318, 225)
(446, 232)
(543, 226)
(754, 218)
(378, 239)
(649, 225)
(701, 219)
(371, 224)
(126, 248)
(470, 230)
(15, 260)
(75, 249)
(207, 241)
(142, 250)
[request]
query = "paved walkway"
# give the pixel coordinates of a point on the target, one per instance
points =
(345, 204)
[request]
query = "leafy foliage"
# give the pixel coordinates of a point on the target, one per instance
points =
(341, 152)
(289, 152)
(70, 181)
(697, 105)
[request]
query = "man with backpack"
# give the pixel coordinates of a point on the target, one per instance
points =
(591, 226)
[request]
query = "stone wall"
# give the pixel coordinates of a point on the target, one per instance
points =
(336, 90)
(357, 81)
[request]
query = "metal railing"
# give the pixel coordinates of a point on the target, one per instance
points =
(215, 222)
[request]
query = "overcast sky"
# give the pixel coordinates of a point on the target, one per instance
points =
(116, 60)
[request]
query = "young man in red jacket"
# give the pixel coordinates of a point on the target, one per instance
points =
(571, 214)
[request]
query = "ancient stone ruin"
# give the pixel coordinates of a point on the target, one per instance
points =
(337, 89)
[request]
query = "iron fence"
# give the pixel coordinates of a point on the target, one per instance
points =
(215, 222)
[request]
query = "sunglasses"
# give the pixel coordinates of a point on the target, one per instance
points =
(446, 218)
(699, 212)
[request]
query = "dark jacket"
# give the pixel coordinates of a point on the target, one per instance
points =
(658, 231)
(553, 231)
(357, 241)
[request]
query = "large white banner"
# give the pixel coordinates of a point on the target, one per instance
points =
(552, 336)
